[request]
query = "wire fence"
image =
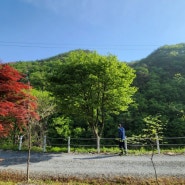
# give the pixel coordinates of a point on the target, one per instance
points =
(99, 143)
(131, 143)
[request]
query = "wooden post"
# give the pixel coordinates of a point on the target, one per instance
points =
(44, 144)
(98, 144)
(125, 143)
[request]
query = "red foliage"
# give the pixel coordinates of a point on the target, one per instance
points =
(17, 106)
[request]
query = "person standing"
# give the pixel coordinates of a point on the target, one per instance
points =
(121, 135)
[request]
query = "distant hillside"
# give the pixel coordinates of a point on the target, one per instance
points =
(165, 62)
(38, 69)
(169, 58)
(161, 86)
(173, 52)
(60, 56)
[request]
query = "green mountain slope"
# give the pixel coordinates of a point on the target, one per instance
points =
(38, 69)
(161, 83)
(169, 58)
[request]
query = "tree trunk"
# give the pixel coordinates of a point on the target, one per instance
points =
(95, 131)
(98, 143)
(29, 151)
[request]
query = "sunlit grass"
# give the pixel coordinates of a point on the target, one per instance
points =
(103, 149)
(7, 183)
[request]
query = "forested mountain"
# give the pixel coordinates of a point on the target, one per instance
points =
(160, 79)
(161, 82)
(38, 69)
(170, 59)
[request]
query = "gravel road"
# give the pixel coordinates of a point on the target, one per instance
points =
(93, 165)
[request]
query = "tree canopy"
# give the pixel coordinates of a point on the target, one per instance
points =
(15, 101)
(92, 87)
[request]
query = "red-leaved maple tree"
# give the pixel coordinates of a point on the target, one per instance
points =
(17, 105)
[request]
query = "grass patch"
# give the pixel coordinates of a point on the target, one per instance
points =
(56, 149)
(104, 149)
(6, 146)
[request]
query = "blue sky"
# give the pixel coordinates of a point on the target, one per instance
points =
(129, 29)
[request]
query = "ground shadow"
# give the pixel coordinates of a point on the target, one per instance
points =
(97, 157)
(8, 158)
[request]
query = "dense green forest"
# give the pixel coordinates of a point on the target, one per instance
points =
(160, 83)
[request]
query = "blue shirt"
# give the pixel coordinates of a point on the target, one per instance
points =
(121, 133)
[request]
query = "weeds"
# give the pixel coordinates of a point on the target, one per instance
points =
(15, 178)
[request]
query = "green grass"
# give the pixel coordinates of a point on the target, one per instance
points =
(56, 149)
(8, 146)
(7, 183)
(103, 149)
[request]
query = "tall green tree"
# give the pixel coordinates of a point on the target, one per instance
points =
(46, 108)
(91, 86)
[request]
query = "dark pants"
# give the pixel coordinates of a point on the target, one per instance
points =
(122, 146)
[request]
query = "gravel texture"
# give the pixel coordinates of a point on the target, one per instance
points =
(94, 165)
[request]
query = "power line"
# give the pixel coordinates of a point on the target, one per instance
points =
(59, 45)
(108, 47)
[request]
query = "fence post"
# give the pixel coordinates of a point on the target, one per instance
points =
(68, 148)
(125, 143)
(20, 142)
(44, 144)
(98, 144)
(158, 145)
